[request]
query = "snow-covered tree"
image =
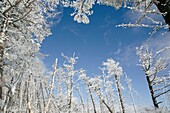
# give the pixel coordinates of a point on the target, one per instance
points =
(64, 85)
(153, 65)
(147, 8)
(24, 87)
(130, 88)
(23, 25)
(150, 13)
(115, 71)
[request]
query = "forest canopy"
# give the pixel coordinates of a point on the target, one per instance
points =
(25, 86)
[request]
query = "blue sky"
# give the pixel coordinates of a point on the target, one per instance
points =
(95, 42)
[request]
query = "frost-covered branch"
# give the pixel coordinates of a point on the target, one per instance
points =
(162, 93)
(116, 71)
(152, 65)
(51, 86)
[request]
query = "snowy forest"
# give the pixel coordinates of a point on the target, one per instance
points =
(26, 86)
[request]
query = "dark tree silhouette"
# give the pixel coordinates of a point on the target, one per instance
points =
(164, 8)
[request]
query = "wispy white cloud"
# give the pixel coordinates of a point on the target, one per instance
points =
(160, 42)
(76, 32)
(128, 56)
(107, 36)
(119, 44)
(133, 16)
(108, 20)
(156, 43)
(117, 51)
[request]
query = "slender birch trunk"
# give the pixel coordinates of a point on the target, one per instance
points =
(70, 94)
(1, 68)
(81, 99)
(92, 99)
(29, 109)
(119, 93)
(51, 87)
(2, 46)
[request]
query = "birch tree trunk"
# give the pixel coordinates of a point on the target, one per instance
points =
(119, 93)
(92, 99)
(2, 46)
(1, 63)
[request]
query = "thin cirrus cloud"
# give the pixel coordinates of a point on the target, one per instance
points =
(161, 44)
(158, 44)
(117, 51)
(129, 57)
(153, 18)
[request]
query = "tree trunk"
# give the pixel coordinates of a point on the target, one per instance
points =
(1, 62)
(164, 7)
(92, 99)
(71, 94)
(110, 110)
(152, 92)
(120, 94)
